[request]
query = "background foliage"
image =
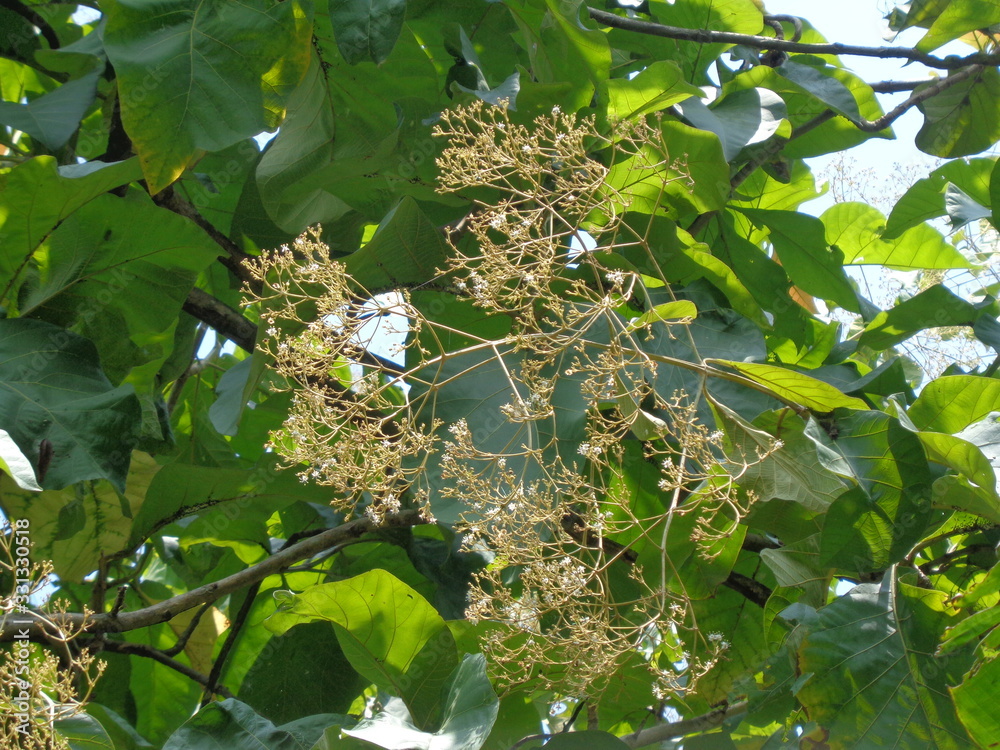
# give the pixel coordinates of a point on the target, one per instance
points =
(821, 571)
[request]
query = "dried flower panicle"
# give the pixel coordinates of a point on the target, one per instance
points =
(595, 583)
(39, 687)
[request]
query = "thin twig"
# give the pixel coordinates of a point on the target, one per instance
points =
(141, 649)
(211, 686)
(704, 36)
(170, 608)
(683, 728)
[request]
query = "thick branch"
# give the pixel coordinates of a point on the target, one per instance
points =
(222, 318)
(704, 36)
(873, 126)
(703, 723)
(32, 17)
(141, 649)
(163, 611)
(234, 257)
(753, 591)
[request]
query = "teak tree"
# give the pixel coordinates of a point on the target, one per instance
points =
(494, 401)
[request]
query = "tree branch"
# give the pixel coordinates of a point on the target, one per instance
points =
(141, 649)
(234, 257)
(753, 591)
(222, 318)
(704, 36)
(32, 17)
(873, 126)
(703, 723)
(211, 685)
(154, 614)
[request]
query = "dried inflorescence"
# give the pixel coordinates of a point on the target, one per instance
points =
(583, 576)
(39, 686)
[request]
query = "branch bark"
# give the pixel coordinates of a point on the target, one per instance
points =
(704, 36)
(222, 318)
(141, 649)
(703, 723)
(108, 622)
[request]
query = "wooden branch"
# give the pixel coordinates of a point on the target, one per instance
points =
(873, 126)
(696, 725)
(704, 36)
(141, 649)
(222, 318)
(154, 614)
(753, 591)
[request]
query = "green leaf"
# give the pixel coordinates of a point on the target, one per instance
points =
(304, 145)
(106, 517)
(869, 674)
(235, 726)
(950, 404)
(470, 709)
(666, 312)
(54, 117)
(407, 248)
(963, 119)
(858, 231)
(962, 208)
(52, 389)
(38, 194)
(657, 87)
(818, 80)
(796, 387)
(925, 199)
(931, 308)
(16, 465)
(800, 243)
(84, 733)
(957, 19)
(740, 118)
(190, 80)
(367, 29)
(587, 739)
(793, 472)
(975, 700)
(228, 407)
(308, 654)
(388, 632)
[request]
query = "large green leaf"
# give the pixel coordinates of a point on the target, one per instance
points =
(235, 726)
(54, 117)
(950, 404)
(53, 391)
(931, 308)
(390, 634)
(470, 708)
(856, 229)
(869, 673)
(796, 387)
(958, 18)
(303, 145)
(406, 248)
(196, 76)
(38, 194)
(925, 199)
(877, 522)
(119, 271)
(367, 29)
(975, 700)
(741, 118)
(963, 119)
(800, 242)
(793, 472)
(655, 88)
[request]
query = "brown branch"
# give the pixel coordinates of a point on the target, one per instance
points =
(758, 543)
(895, 87)
(873, 126)
(234, 257)
(703, 723)
(222, 318)
(211, 686)
(753, 591)
(32, 17)
(170, 608)
(704, 36)
(141, 649)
